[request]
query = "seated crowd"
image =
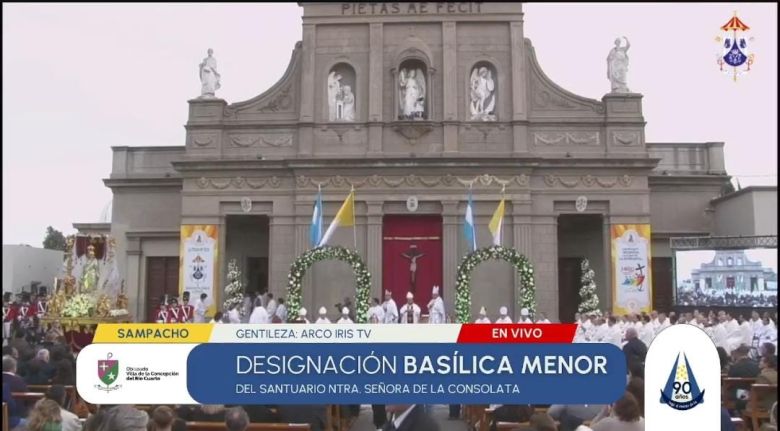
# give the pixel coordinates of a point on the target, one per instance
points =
(43, 359)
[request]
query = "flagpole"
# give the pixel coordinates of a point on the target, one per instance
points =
(354, 227)
(501, 228)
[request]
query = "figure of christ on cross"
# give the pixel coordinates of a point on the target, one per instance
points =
(413, 254)
(639, 268)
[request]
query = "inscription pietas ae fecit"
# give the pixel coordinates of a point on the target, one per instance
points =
(411, 8)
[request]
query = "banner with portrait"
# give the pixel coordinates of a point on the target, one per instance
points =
(632, 290)
(198, 262)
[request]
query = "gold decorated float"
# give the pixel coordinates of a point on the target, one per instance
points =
(89, 291)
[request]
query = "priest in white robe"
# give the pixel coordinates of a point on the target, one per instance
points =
(323, 319)
(503, 311)
(543, 319)
(259, 314)
(302, 316)
(436, 311)
(390, 308)
(234, 316)
(482, 316)
(345, 320)
(376, 313)
(525, 316)
(410, 312)
(613, 334)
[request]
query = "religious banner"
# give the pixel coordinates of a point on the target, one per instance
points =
(631, 273)
(198, 259)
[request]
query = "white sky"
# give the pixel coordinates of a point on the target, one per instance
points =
(78, 79)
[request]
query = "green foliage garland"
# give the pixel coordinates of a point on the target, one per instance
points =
(234, 291)
(589, 300)
(463, 282)
(306, 260)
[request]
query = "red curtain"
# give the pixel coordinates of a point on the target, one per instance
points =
(399, 234)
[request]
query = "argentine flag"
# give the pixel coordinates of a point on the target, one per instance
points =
(315, 231)
(468, 226)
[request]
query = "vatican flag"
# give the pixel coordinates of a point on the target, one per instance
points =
(495, 223)
(345, 217)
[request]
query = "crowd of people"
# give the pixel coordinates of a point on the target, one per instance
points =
(719, 298)
(37, 356)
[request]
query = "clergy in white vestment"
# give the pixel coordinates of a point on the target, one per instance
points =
(745, 332)
(647, 333)
(259, 314)
(200, 309)
(376, 313)
(732, 325)
(410, 312)
(613, 335)
(323, 319)
(390, 309)
(768, 333)
(503, 311)
(302, 316)
(599, 332)
(281, 311)
(436, 311)
(345, 320)
(756, 322)
(248, 305)
(233, 315)
(482, 316)
(525, 316)
(543, 319)
(720, 336)
(271, 307)
(663, 323)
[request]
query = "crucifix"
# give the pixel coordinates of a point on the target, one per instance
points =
(412, 254)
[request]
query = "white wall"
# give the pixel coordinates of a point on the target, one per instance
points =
(24, 264)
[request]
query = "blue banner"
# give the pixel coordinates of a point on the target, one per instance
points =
(390, 373)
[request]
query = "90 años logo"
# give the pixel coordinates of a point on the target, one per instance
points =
(681, 391)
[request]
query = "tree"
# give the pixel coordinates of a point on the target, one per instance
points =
(234, 291)
(54, 239)
(589, 300)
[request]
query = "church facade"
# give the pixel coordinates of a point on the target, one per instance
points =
(414, 105)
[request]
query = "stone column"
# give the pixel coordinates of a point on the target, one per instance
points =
(374, 246)
(451, 253)
(305, 134)
(519, 96)
(375, 88)
(135, 295)
(522, 240)
(545, 261)
(450, 83)
(605, 299)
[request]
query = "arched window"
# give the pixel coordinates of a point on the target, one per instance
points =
(483, 89)
(341, 93)
(413, 101)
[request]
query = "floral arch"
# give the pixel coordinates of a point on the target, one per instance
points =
(306, 260)
(523, 267)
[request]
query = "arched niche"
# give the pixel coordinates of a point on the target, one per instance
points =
(482, 96)
(413, 89)
(340, 96)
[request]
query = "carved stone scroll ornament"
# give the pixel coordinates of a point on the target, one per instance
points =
(412, 132)
(587, 181)
(626, 138)
(203, 140)
(566, 138)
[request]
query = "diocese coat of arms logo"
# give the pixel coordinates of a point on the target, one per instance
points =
(108, 372)
(735, 57)
(681, 391)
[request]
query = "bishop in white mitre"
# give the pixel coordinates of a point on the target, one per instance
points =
(436, 308)
(376, 314)
(302, 316)
(503, 311)
(525, 316)
(482, 316)
(323, 319)
(410, 312)
(390, 309)
(345, 320)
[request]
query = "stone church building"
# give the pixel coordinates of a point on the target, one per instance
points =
(413, 105)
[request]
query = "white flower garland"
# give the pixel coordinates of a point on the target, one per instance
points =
(463, 282)
(306, 260)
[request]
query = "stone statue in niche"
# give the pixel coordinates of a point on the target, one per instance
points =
(483, 95)
(411, 86)
(341, 100)
(209, 77)
(617, 66)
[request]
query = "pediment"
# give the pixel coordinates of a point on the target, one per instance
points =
(548, 98)
(280, 98)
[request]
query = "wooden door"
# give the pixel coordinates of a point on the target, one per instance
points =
(569, 274)
(162, 278)
(663, 292)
